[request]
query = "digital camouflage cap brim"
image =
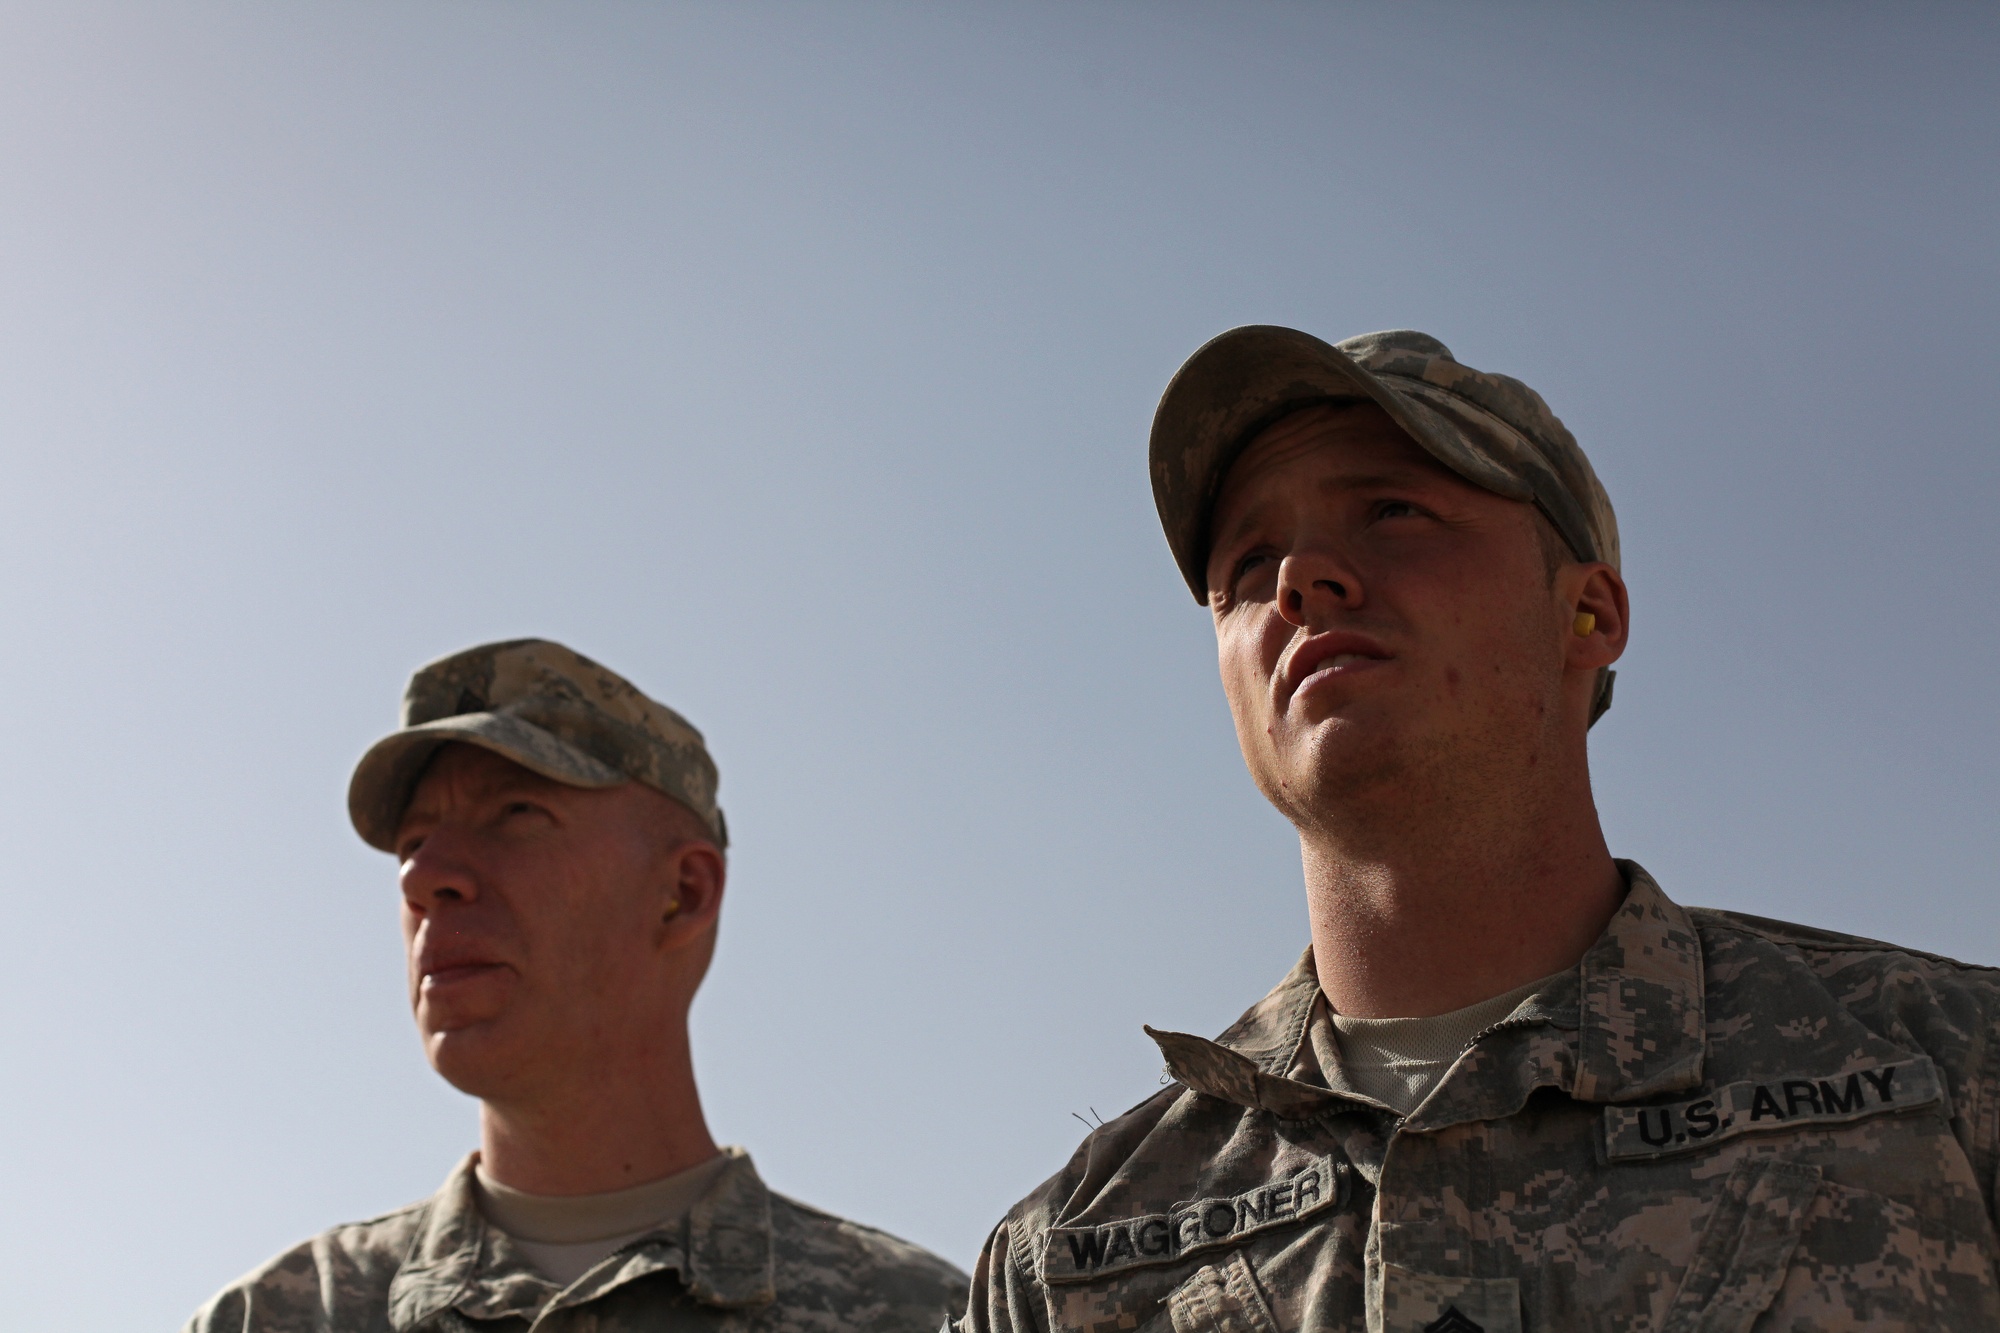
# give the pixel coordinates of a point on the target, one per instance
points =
(1493, 430)
(550, 710)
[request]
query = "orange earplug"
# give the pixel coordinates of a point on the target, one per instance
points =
(1585, 622)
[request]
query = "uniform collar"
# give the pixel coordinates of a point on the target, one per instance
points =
(1643, 1028)
(1637, 1011)
(460, 1262)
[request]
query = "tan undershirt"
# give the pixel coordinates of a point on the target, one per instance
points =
(567, 1235)
(1397, 1061)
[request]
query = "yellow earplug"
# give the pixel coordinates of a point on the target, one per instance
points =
(1584, 624)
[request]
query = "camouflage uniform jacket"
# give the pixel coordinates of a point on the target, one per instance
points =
(747, 1261)
(1716, 1122)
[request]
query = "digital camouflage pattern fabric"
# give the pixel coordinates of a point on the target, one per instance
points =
(549, 709)
(749, 1261)
(1716, 1122)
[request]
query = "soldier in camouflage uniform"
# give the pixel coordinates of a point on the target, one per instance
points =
(1657, 1117)
(562, 868)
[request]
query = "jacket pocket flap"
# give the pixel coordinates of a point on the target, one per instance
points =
(1740, 1260)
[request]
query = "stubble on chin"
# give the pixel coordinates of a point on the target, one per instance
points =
(1323, 776)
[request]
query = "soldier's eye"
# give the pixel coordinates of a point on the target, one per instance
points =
(1250, 563)
(1396, 509)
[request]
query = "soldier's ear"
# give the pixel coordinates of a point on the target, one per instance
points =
(696, 875)
(1599, 615)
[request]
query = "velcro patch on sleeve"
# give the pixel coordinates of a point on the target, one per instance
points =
(1791, 1102)
(1080, 1254)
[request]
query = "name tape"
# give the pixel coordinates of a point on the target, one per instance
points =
(1780, 1103)
(1079, 1254)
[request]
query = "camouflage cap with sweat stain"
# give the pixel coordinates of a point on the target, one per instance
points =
(550, 710)
(1492, 430)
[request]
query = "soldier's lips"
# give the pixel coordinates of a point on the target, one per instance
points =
(1328, 657)
(458, 974)
(1346, 663)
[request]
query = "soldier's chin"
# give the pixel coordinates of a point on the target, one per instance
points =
(1332, 762)
(473, 1058)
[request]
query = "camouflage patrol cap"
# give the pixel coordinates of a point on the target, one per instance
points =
(548, 709)
(1492, 430)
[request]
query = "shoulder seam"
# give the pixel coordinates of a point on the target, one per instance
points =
(392, 1215)
(823, 1215)
(1811, 939)
(866, 1231)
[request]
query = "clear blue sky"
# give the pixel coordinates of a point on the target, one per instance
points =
(797, 360)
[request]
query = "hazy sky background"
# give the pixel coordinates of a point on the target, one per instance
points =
(797, 360)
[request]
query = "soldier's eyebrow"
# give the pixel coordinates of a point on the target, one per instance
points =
(1401, 478)
(1244, 521)
(1364, 481)
(1405, 477)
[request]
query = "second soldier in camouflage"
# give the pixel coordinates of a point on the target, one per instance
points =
(561, 857)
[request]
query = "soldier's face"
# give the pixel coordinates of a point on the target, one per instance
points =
(535, 917)
(1375, 613)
